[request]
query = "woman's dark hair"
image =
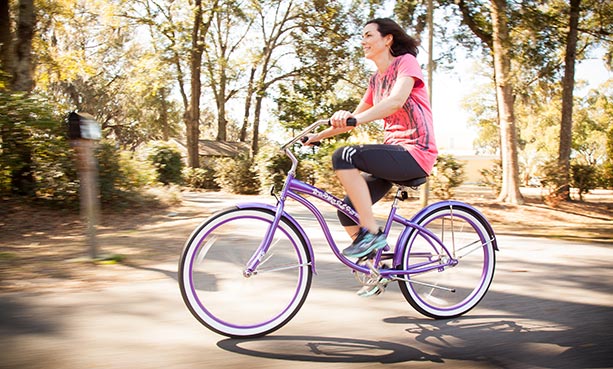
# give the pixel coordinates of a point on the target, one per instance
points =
(402, 43)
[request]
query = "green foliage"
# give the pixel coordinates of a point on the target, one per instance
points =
(203, 177)
(119, 174)
(108, 170)
(322, 167)
(330, 70)
(272, 167)
(605, 176)
(136, 173)
(492, 177)
(237, 175)
(553, 182)
(24, 120)
(168, 163)
(306, 171)
(33, 139)
(55, 168)
(448, 174)
(583, 178)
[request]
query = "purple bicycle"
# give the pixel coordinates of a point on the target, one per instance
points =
(247, 270)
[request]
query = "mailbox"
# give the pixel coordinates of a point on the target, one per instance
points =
(83, 126)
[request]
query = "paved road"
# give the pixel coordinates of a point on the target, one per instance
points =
(550, 306)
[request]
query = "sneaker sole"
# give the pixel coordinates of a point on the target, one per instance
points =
(367, 251)
(374, 291)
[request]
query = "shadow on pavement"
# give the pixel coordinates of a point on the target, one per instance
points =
(326, 350)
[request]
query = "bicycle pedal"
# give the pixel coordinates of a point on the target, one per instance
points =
(373, 290)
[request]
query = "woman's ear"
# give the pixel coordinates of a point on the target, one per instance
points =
(389, 40)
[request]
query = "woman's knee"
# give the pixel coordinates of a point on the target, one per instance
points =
(343, 158)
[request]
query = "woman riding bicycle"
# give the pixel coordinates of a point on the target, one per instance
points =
(397, 94)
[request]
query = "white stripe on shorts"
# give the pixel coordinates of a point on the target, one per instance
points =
(348, 154)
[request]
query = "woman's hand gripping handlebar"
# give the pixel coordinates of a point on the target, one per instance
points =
(306, 137)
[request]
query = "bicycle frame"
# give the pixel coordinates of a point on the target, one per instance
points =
(294, 187)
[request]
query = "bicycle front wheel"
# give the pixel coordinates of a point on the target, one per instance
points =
(452, 281)
(218, 292)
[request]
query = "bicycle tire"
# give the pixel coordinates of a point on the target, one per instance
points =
(466, 234)
(214, 287)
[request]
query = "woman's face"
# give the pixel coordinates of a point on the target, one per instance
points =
(373, 43)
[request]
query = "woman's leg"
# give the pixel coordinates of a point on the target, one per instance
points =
(384, 163)
(357, 190)
(377, 188)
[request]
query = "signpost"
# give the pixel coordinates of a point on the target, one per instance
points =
(84, 134)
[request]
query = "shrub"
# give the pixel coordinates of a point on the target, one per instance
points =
(25, 120)
(136, 173)
(203, 178)
(492, 177)
(55, 169)
(120, 175)
(583, 178)
(168, 163)
(606, 174)
(448, 174)
(320, 165)
(307, 171)
(271, 167)
(237, 175)
(553, 183)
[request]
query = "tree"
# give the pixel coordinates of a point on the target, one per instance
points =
(6, 42)
(494, 34)
(297, 40)
(222, 71)
(501, 45)
(594, 19)
(192, 114)
(17, 65)
(568, 83)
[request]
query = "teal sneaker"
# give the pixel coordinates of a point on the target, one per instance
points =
(365, 243)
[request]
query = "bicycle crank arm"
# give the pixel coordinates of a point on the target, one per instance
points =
(259, 271)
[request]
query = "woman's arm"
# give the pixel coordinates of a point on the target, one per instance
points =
(366, 113)
(332, 131)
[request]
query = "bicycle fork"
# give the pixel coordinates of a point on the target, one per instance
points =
(258, 257)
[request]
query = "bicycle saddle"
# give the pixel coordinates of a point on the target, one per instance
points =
(415, 182)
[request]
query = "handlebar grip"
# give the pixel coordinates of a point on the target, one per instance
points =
(351, 122)
(305, 139)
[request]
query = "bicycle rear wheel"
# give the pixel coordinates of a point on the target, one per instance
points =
(212, 280)
(461, 275)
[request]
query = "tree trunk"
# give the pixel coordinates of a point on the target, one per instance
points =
(243, 133)
(256, 125)
(21, 67)
(568, 85)
(22, 73)
(504, 90)
(7, 56)
(192, 116)
(163, 95)
(221, 106)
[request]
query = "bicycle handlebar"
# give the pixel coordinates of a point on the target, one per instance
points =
(352, 122)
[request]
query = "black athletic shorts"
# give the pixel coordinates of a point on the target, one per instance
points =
(381, 165)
